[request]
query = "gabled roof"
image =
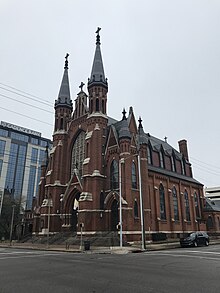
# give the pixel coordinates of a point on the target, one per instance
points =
(212, 205)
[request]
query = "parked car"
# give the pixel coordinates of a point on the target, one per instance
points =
(195, 239)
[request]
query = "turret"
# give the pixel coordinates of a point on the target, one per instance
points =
(97, 83)
(63, 105)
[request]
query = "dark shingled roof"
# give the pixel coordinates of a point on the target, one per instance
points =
(212, 205)
(156, 144)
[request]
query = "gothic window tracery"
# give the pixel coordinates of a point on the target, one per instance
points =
(175, 204)
(134, 176)
(162, 203)
(78, 153)
(114, 175)
(186, 198)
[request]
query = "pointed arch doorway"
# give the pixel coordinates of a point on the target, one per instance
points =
(114, 215)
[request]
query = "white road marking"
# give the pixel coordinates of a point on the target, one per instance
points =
(25, 256)
(184, 255)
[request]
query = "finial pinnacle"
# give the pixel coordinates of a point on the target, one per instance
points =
(140, 122)
(66, 61)
(165, 138)
(124, 114)
(98, 36)
(81, 86)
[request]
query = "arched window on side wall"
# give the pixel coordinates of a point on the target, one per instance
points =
(187, 208)
(135, 209)
(196, 201)
(103, 106)
(61, 123)
(162, 203)
(209, 223)
(149, 155)
(175, 204)
(91, 106)
(114, 175)
(97, 105)
(134, 176)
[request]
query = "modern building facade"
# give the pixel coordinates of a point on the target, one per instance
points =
(104, 175)
(21, 153)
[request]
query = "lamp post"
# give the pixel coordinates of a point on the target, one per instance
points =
(120, 199)
(61, 206)
(48, 220)
(12, 222)
(141, 205)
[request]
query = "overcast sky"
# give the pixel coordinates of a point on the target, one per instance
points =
(161, 56)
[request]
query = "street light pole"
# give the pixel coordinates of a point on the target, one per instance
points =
(141, 204)
(120, 200)
(48, 220)
(12, 222)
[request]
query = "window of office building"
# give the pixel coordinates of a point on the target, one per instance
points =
(15, 171)
(34, 155)
(43, 143)
(18, 136)
(31, 185)
(3, 132)
(1, 163)
(2, 147)
(34, 140)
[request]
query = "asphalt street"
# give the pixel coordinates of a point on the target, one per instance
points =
(174, 271)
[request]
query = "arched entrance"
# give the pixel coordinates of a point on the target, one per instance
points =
(70, 217)
(114, 215)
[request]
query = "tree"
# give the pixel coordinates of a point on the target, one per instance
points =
(6, 216)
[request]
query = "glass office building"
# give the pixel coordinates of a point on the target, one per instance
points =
(21, 154)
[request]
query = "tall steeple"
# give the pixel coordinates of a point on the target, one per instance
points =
(63, 105)
(64, 99)
(97, 74)
(97, 83)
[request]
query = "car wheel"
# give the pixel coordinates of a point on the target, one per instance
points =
(206, 243)
(195, 244)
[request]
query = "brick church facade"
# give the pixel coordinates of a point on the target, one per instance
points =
(96, 160)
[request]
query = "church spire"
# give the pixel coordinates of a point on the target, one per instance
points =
(64, 99)
(97, 74)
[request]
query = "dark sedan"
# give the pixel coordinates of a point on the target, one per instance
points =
(195, 239)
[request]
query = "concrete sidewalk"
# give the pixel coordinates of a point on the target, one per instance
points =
(136, 248)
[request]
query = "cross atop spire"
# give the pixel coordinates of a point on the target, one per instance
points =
(98, 36)
(81, 86)
(140, 122)
(97, 76)
(124, 114)
(64, 98)
(66, 61)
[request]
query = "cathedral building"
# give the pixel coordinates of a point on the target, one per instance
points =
(106, 175)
